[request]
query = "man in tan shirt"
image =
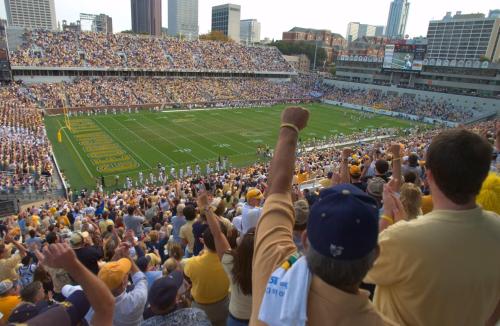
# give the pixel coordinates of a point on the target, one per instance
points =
(443, 268)
(340, 241)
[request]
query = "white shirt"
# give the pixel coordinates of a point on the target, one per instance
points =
(250, 217)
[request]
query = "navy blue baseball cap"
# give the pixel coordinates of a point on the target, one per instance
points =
(164, 290)
(343, 223)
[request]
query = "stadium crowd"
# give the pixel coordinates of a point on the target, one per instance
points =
(25, 163)
(394, 102)
(141, 91)
(87, 49)
(398, 221)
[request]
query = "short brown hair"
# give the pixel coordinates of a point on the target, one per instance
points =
(459, 161)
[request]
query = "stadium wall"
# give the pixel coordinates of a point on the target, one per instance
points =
(462, 101)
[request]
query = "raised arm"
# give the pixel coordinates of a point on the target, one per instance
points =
(221, 243)
(60, 255)
(293, 120)
(344, 168)
(396, 166)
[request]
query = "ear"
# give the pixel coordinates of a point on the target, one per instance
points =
(303, 238)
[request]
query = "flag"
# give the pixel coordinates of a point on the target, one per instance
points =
(59, 136)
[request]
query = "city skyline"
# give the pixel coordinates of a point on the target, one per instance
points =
(332, 16)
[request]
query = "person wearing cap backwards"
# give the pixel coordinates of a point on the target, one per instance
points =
(163, 298)
(129, 306)
(340, 245)
(251, 210)
(444, 267)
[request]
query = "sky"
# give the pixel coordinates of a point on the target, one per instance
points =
(277, 16)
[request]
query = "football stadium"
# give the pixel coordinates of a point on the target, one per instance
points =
(162, 176)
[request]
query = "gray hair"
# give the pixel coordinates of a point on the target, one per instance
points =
(339, 273)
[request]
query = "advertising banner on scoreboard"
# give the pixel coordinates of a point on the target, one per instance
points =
(404, 57)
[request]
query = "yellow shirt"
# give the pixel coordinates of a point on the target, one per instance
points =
(326, 305)
(63, 219)
(186, 233)
(440, 269)
(8, 267)
(7, 305)
(210, 282)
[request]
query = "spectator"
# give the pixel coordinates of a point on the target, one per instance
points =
(129, 306)
(186, 231)
(9, 299)
(210, 284)
(163, 298)
(251, 210)
(133, 222)
(8, 262)
(411, 251)
(335, 262)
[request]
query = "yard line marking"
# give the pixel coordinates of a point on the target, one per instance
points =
(190, 140)
(166, 139)
(122, 143)
(76, 151)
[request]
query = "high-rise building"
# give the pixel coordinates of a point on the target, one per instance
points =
(398, 17)
(31, 13)
(146, 16)
(183, 18)
(356, 30)
(226, 19)
(464, 37)
(249, 31)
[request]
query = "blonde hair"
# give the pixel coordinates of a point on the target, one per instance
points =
(169, 266)
(411, 198)
(153, 236)
(489, 196)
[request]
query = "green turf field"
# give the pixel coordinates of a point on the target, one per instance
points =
(125, 144)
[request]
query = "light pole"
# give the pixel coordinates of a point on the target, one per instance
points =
(315, 52)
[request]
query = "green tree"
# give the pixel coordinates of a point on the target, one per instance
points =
(215, 36)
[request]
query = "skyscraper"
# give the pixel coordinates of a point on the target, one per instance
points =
(249, 31)
(226, 19)
(31, 13)
(146, 16)
(183, 18)
(398, 16)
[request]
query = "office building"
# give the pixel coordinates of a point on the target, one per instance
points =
(356, 30)
(464, 37)
(146, 17)
(398, 17)
(249, 31)
(183, 18)
(31, 14)
(226, 19)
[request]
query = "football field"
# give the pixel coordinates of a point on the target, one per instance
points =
(124, 144)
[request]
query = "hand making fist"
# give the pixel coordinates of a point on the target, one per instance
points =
(295, 115)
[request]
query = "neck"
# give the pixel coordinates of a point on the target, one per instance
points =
(441, 202)
(351, 289)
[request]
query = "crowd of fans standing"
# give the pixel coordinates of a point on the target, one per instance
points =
(217, 249)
